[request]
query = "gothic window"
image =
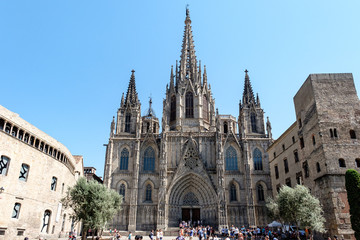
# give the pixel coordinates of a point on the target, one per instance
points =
(24, 172)
(205, 108)
(318, 169)
(189, 105)
(260, 193)
(191, 158)
(225, 127)
(257, 156)
(122, 190)
(53, 183)
(4, 165)
(232, 193)
(231, 159)
(149, 159)
(16, 210)
(253, 122)
(286, 165)
(127, 122)
(46, 221)
(276, 172)
(148, 193)
(124, 159)
(190, 200)
(173, 108)
(352, 134)
(342, 163)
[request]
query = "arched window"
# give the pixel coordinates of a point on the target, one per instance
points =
(124, 159)
(122, 190)
(257, 156)
(253, 122)
(46, 222)
(16, 210)
(189, 105)
(127, 122)
(260, 193)
(173, 108)
(231, 159)
(148, 193)
(205, 108)
(24, 172)
(232, 193)
(149, 159)
(4, 165)
(225, 127)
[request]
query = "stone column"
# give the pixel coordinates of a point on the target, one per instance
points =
(248, 185)
(134, 190)
(162, 205)
(222, 211)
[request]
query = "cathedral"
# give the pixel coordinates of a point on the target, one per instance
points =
(201, 165)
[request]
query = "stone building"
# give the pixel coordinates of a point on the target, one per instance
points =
(35, 172)
(90, 174)
(321, 145)
(199, 166)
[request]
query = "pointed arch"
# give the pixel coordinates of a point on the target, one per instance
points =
(127, 122)
(124, 159)
(253, 122)
(233, 194)
(189, 105)
(261, 191)
(122, 190)
(231, 159)
(173, 108)
(257, 157)
(149, 159)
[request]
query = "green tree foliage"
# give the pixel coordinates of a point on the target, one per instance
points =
(92, 203)
(297, 206)
(352, 183)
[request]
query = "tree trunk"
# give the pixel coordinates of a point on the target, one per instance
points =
(83, 234)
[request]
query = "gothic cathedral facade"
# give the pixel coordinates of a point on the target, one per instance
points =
(201, 166)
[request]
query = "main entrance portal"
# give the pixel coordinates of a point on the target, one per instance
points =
(191, 214)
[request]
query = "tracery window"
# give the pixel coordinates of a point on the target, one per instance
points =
(46, 221)
(122, 190)
(148, 193)
(124, 159)
(127, 122)
(231, 159)
(232, 193)
(24, 172)
(173, 108)
(190, 200)
(253, 122)
(257, 156)
(189, 105)
(149, 159)
(4, 165)
(53, 183)
(260, 193)
(205, 108)
(16, 210)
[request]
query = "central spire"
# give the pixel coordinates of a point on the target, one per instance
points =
(248, 94)
(188, 63)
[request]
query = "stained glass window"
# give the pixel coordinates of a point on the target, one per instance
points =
(257, 156)
(122, 190)
(253, 122)
(189, 105)
(231, 159)
(260, 193)
(149, 159)
(232, 192)
(124, 159)
(148, 193)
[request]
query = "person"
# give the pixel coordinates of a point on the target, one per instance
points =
(129, 236)
(117, 236)
(161, 235)
(74, 235)
(41, 238)
(151, 235)
(180, 236)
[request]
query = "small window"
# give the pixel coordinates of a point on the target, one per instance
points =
(8, 128)
(276, 172)
(122, 191)
(306, 169)
(4, 165)
(62, 187)
(2, 122)
(331, 133)
(20, 233)
(24, 172)
(232, 193)
(342, 163)
(16, 210)
(286, 165)
(274, 154)
(357, 162)
(296, 156)
(300, 123)
(260, 192)
(283, 147)
(299, 178)
(302, 144)
(148, 193)
(46, 221)
(53, 184)
(63, 223)
(335, 133)
(154, 128)
(293, 139)
(278, 188)
(313, 140)
(318, 169)
(288, 182)
(225, 127)
(352, 134)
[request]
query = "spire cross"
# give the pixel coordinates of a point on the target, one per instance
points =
(246, 71)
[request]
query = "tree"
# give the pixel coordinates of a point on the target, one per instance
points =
(92, 203)
(352, 183)
(297, 206)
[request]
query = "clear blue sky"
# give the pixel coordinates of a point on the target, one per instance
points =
(64, 64)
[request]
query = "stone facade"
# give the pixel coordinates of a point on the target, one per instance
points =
(35, 172)
(325, 139)
(200, 166)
